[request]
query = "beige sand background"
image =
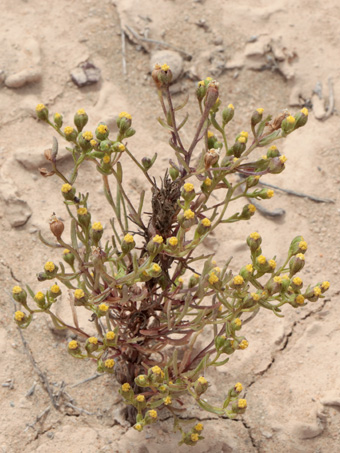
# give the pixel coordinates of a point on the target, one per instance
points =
(265, 54)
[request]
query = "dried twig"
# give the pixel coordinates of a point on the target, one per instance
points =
(155, 41)
(299, 194)
(79, 409)
(275, 213)
(91, 378)
(38, 418)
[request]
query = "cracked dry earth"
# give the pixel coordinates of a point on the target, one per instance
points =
(272, 55)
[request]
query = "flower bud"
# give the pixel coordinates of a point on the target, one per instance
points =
(201, 385)
(212, 94)
(68, 257)
(301, 118)
(252, 181)
(238, 147)
(154, 270)
(68, 191)
(40, 299)
(50, 269)
(80, 119)
(188, 191)
(274, 286)
(210, 158)
(277, 164)
(19, 295)
(172, 243)
(288, 124)
(128, 243)
(314, 294)
(142, 380)
(56, 227)
(20, 318)
(254, 241)
(151, 416)
(58, 120)
(84, 217)
(237, 282)
(201, 90)
(247, 212)
(91, 344)
(296, 283)
(79, 297)
(54, 291)
(325, 286)
(257, 116)
(239, 406)
(162, 75)
(147, 163)
(70, 134)
(130, 132)
(155, 245)
(84, 140)
(273, 152)
(73, 348)
(247, 271)
(265, 194)
(298, 245)
(193, 281)
(227, 114)
(42, 112)
(174, 173)
(296, 263)
(96, 232)
(102, 131)
(105, 146)
(203, 227)
(220, 342)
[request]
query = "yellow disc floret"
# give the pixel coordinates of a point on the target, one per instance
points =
(272, 264)
(126, 387)
(299, 299)
(97, 226)
(238, 387)
(251, 208)
(173, 241)
(49, 266)
(238, 280)
(167, 400)
(128, 238)
(242, 403)
(140, 398)
(68, 130)
(194, 437)
(81, 211)
(156, 267)
(93, 340)
(152, 413)
(125, 115)
(244, 344)
(304, 111)
(188, 214)
(213, 278)
(199, 427)
(110, 335)
(55, 289)
(109, 363)
(16, 290)
(157, 239)
(79, 293)
(325, 285)
(73, 344)
(261, 259)
(202, 380)
(102, 128)
(188, 187)
(103, 307)
(156, 370)
(206, 222)
(207, 181)
(303, 245)
(290, 119)
(254, 236)
(317, 291)
(40, 107)
(270, 193)
(260, 110)
(165, 67)
(65, 188)
(19, 315)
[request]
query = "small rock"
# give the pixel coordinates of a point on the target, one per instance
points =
(331, 400)
(85, 74)
(23, 77)
(18, 212)
(218, 40)
(266, 434)
(307, 430)
(171, 58)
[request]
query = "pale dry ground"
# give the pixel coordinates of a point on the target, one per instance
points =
(292, 364)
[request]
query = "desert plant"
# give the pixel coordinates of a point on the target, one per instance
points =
(147, 314)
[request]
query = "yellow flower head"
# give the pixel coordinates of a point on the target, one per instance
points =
(156, 370)
(249, 268)
(65, 188)
(49, 266)
(209, 79)
(102, 128)
(238, 322)
(93, 340)
(251, 208)
(264, 157)
(242, 403)
(19, 315)
(138, 427)
(213, 278)
(39, 296)
(207, 181)
(157, 239)
(121, 147)
(270, 193)
(210, 134)
(93, 142)
(188, 214)
(109, 363)
(261, 259)
(68, 130)
(304, 111)
(301, 256)
(277, 279)
(165, 67)
(16, 290)
(206, 222)
(106, 159)
(87, 135)
(254, 236)
(125, 115)
(79, 293)
(173, 241)
(303, 245)
(260, 110)
(202, 380)
(317, 291)
(238, 387)
(188, 187)
(273, 148)
(272, 264)
(297, 281)
(255, 297)
(55, 289)
(152, 413)
(126, 387)
(82, 211)
(194, 437)
(299, 299)
(97, 226)
(290, 119)
(244, 134)
(242, 139)
(128, 238)
(325, 285)
(40, 107)
(199, 427)
(283, 159)
(180, 280)
(156, 267)
(238, 280)
(81, 112)
(230, 106)
(244, 344)
(167, 400)
(140, 398)
(201, 83)
(103, 307)
(73, 344)
(110, 335)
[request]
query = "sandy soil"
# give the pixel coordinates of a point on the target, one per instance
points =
(271, 55)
